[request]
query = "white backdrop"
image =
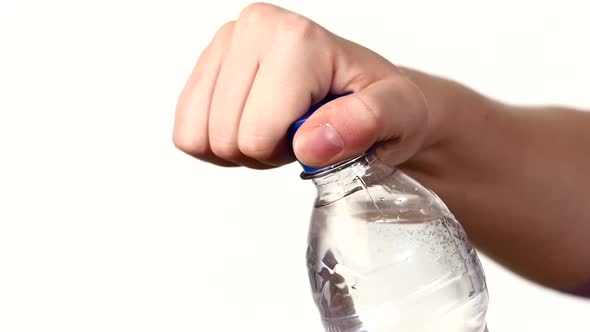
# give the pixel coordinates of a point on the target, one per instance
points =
(104, 226)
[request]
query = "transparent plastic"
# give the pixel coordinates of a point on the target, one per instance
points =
(386, 255)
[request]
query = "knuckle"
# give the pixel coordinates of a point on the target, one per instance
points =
(225, 30)
(190, 144)
(298, 26)
(225, 148)
(254, 147)
(257, 12)
(185, 137)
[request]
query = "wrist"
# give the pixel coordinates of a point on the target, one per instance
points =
(454, 111)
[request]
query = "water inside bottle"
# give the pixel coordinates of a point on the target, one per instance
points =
(378, 275)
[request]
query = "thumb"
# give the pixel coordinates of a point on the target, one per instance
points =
(391, 111)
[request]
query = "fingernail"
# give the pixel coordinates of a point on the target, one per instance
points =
(319, 144)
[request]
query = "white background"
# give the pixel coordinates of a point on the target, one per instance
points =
(104, 226)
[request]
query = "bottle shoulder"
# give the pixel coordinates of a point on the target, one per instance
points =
(390, 197)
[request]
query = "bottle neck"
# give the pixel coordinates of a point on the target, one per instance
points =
(365, 164)
(341, 170)
(347, 177)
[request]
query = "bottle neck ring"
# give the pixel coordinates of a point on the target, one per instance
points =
(325, 171)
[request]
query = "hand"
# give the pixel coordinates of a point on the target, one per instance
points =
(263, 71)
(486, 159)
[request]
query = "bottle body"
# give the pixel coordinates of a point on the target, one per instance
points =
(386, 255)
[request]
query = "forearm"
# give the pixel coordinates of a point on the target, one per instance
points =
(517, 178)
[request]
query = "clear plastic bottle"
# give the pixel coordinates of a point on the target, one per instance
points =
(386, 255)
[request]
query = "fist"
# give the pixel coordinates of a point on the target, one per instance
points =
(262, 72)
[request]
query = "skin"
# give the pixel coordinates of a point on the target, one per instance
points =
(516, 177)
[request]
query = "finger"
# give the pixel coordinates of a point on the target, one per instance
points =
(283, 90)
(192, 111)
(236, 78)
(390, 111)
(232, 88)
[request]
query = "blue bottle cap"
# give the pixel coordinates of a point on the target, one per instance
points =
(295, 126)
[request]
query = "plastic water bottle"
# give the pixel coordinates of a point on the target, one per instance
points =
(386, 255)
